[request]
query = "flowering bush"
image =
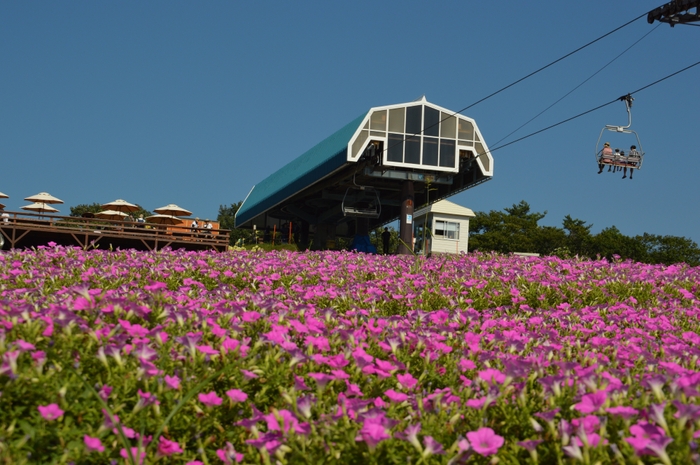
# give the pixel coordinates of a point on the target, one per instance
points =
(254, 357)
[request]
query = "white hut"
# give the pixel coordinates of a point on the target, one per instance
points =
(447, 228)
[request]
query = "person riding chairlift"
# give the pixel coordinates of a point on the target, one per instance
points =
(605, 155)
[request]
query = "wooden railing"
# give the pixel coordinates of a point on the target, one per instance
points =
(16, 226)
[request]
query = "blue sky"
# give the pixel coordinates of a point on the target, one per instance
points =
(195, 102)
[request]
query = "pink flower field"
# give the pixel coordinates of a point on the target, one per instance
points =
(332, 357)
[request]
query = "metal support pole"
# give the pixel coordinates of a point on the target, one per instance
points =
(406, 219)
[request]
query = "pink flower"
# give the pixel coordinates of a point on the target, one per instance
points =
(485, 441)
(591, 402)
(210, 399)
(395, 396)
(228, 454)
(207, 350)
(492, 376)
(622, 411)
(407, 380)
(237, 395)
(50, 412)
(93, 444)
(134, 453)
(166, 447)
(466, 364)
(372, 433)
(288, 420)
(173, 382)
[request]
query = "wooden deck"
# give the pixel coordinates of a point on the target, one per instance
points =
(23, 230)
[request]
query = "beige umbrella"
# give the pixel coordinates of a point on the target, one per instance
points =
(173, 210)
(39, 207)
(4, 196)
(111, 215)
(163, 219)
(43, 197)
(121, 205)
(2, 205)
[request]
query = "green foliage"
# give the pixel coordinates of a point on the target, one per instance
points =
(516, 230)
(80, 209)
(670, 249)
(83, 208)
(226, 219)
(375, 237)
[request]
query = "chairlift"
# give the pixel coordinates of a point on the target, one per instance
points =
(361, 201)
(629, 155)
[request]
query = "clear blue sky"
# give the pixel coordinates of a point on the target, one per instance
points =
(195, 102)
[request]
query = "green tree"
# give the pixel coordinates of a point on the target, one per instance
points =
(513, 230)
(548, 239)
(578, 236)
(375, 237)
(670, 249)
(81, 209)
(611, 242)
(226, 219)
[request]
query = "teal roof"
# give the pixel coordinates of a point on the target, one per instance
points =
(312, 166)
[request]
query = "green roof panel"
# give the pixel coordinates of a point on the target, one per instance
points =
(302, 172)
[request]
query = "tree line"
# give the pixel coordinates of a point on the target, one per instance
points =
(516, 229)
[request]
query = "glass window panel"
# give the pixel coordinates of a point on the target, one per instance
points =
(412, 150)
(439, 228)
(378, 121)
(466, 130)
(359, 145)
(448, 126)
(430, 151)
(447, 229)
(431, 122)
(378, 133)
(396, 120)
(479, 149)
(452, 230)
(366, 126)
(395, 149)
(447, 153)
(414, 119)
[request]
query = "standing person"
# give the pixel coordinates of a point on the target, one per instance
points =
(194, 227)
(606, 153)
(386, 239)
(633, 159)
(208, 227)
(4, 215)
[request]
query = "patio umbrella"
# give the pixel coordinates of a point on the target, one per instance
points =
(43, 197)
(163, 219)
(39, 207)
(4, 196)
(173, 210)
(111, 215)
(121, 205)
(2, 205)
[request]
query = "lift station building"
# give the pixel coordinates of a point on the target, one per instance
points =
(373, 171)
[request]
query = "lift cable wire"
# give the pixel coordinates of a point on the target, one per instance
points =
(594, 109)
(575, 88)
(552, 63)
(408, 137)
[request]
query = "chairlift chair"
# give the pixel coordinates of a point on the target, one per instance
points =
(361, 202)
(616, 159)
